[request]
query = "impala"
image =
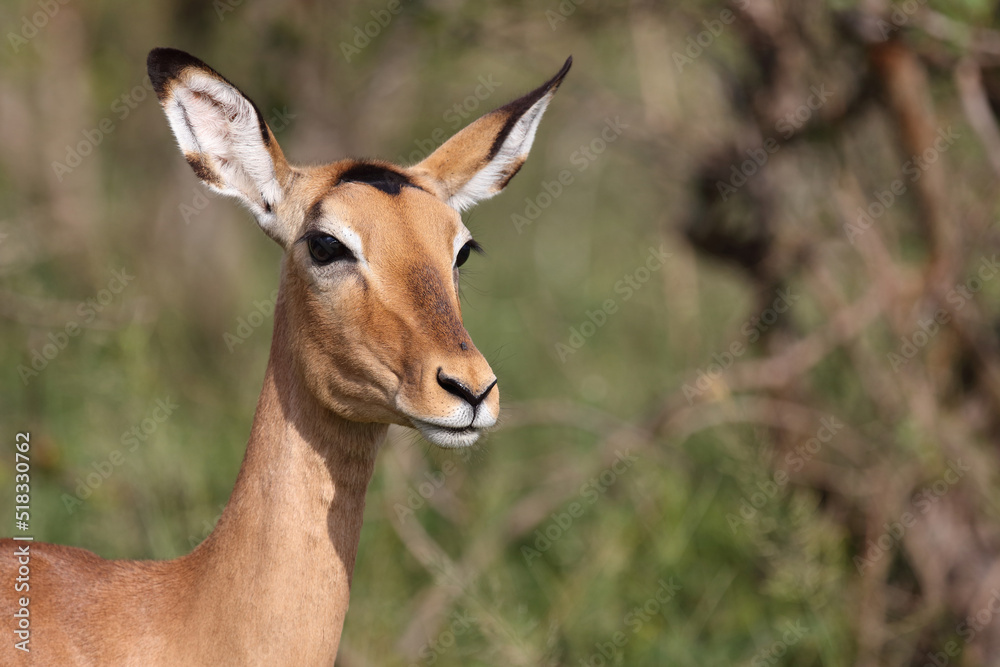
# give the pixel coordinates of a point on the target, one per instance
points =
(367, 333)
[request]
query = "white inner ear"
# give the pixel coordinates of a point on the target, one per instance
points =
(489, 180)
(214, 121)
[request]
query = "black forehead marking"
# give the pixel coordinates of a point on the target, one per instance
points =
(385, 179)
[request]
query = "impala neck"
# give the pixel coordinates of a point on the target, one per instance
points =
(273, 579)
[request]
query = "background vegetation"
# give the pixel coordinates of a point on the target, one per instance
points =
(806, 390)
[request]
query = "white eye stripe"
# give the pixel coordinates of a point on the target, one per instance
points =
(349, 238)
(463, 237)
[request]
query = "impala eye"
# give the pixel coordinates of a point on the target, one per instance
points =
(463, 254)
(325, 249)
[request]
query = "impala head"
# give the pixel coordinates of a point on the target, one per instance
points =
(369, 285)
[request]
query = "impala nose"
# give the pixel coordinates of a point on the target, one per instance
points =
(458, 388)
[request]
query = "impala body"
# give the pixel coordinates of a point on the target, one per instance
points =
(367, 332)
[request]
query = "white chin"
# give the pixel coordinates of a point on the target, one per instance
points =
(448, 438)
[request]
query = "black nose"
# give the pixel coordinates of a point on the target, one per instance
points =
(460, 389)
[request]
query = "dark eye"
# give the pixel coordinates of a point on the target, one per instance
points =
(325, 249)
(463, 254)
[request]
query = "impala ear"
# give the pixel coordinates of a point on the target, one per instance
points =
(479, 161)
(222, 134)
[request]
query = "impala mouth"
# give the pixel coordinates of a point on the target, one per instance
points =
(447, 436)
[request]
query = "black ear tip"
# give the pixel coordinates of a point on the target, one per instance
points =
(560, 75)
(163, 52)
(163, 64)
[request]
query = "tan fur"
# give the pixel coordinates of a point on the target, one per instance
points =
(355, 348)
(407, 303)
